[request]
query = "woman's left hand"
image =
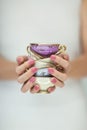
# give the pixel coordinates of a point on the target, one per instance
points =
(59, 77)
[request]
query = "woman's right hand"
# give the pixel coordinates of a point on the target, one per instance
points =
(26, 77)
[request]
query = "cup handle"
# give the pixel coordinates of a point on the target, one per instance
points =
(28, 48)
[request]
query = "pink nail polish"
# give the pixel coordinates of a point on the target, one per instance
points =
(32, 79)
(66, 57)
(34, 69)
(51, 89)
(53, 80)
(19, 60)
(30, 62)
(53, 57)
(36, 87)
(50, 70)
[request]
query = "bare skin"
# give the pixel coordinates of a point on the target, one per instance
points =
(58, 78)
(7, 69)
(78, 66)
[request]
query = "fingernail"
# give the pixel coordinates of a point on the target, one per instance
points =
(34, 69)
(19, 60)
(53, 80)
(32, 79)
(30, 62)
(53, 57)
(50, 70)
(36, 87)
(51, 89)
(66, 57)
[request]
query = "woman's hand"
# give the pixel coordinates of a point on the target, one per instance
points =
(26, 77)
(59, 77)
(28, 80)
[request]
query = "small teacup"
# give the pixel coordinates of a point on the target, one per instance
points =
(41, 53)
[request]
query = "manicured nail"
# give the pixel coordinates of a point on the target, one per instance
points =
(53, 80)
(51, 89)
(34, 69)
(53, 57)
(30, 62)
(32, 79)
(50, 70)
(36, 87)
(19, 60)
(66, 57)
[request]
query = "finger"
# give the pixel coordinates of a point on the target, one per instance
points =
(65, 56)
(51, 89)
(21, 59)
(57, 82)
(35, 89)
(20, 69)
(27, 86)
(64, 63)
(24, 77)
(57, 74)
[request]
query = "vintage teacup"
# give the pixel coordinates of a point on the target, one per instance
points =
(41, 52)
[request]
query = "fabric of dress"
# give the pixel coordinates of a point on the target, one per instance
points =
(26, 21)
